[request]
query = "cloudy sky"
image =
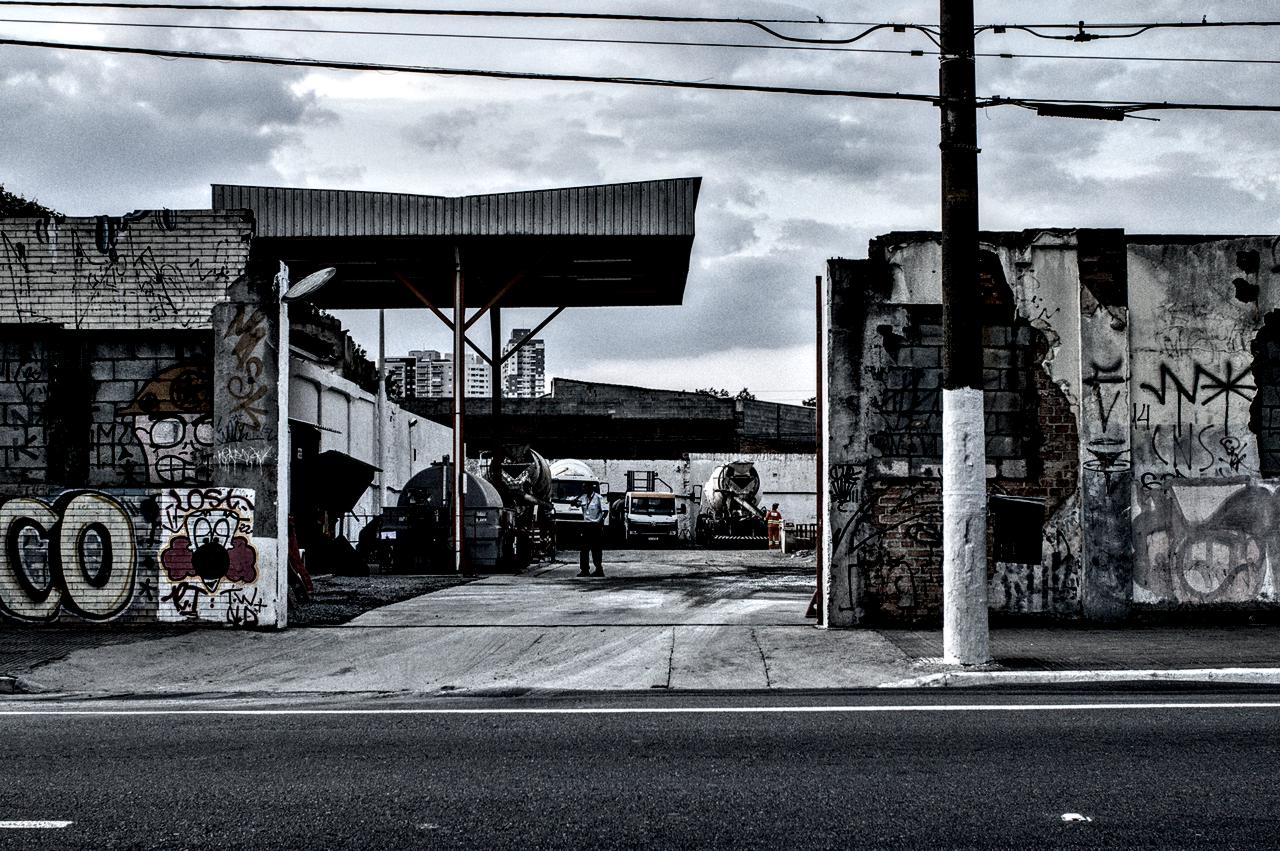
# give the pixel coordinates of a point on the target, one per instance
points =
(787, 181)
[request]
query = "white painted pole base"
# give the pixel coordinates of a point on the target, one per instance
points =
(964, 529)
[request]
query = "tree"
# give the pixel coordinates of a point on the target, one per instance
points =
(743, 395)
(16, 205)
(713, 391)
(811, 402)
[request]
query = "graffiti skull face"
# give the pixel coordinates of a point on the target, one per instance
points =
(171, 419)
(176, 446)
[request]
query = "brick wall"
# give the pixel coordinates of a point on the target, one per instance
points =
(176, 555)
(901, 564)
(153, 269)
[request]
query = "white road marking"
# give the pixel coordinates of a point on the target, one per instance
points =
(1075, 817)
(34, 825)
(662, 710)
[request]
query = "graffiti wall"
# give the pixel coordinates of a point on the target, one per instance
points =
(1202, 390)
(178, 555)
(155, 269)
(884, 507)
(1132, 389)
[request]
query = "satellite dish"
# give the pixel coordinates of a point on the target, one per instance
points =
(309, 285)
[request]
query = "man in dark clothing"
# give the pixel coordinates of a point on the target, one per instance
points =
(594, 512)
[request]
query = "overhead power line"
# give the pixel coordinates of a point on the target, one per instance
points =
(1082, 33)
(465, 72)
(759, 23)
(479, 36)
(624, 41)
(1126, 107)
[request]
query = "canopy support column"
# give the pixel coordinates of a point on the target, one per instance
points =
(459, 405)
(495, 367)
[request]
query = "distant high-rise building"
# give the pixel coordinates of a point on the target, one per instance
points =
(428, 374)
(400, 377)
(524, 374)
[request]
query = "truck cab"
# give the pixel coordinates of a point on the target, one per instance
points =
(569, 478)
(650, 516)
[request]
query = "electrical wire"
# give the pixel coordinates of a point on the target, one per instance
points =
(625, 41)
(466, 72)
(1138, 28)
(1127, 107)
(479, 36)
(760, 24)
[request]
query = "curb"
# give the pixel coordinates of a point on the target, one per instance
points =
(948, 679)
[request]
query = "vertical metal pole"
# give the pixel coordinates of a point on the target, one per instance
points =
(380, 435)
(495, 371)
(284, 452)
(459, 403)
(964, 464)
(820, 473)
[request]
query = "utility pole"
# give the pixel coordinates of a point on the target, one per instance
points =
(964, 461)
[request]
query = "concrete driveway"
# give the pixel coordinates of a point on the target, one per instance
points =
(666, 619)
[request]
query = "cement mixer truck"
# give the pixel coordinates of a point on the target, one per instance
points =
(730, 514)
(569, 477)
(523, 478)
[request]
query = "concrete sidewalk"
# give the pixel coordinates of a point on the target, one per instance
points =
(679, 620)
(661, 619)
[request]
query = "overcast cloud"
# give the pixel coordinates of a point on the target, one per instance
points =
(787, 181)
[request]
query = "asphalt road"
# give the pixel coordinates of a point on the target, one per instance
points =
(841, 771)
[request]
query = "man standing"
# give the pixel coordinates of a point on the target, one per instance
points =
(594, 511)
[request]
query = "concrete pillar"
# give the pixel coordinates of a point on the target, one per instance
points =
(251, 441)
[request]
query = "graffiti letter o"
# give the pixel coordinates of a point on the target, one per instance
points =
(18, 598)
(108, 592)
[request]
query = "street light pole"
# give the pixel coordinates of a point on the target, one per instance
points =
(964, 463)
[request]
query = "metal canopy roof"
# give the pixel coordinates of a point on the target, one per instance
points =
(614, 244)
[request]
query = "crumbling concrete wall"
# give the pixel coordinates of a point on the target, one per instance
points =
(884, 444)
(1203, 392)
(1131, 385)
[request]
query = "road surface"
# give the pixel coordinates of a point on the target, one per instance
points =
(866, 769)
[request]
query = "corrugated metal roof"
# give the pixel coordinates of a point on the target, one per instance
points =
(648, 208)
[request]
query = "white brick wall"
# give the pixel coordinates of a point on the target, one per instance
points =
(154, 270)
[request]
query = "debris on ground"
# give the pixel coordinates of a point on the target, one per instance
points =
(338, 599)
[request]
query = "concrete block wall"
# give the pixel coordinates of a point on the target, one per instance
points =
(884, 550)
(104, 409)
(156, 269)
(173, 555)
(151, 409)
(24, 392)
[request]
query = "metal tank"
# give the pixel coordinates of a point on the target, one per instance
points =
(421, 520)
(730, 513)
